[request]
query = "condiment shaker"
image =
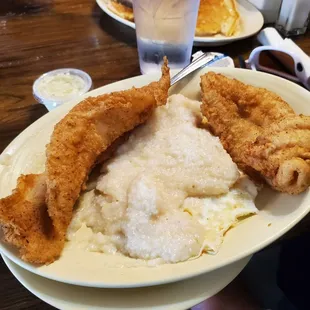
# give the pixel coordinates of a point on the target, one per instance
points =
(293, 17)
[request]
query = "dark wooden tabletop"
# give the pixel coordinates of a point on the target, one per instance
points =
(41, 35)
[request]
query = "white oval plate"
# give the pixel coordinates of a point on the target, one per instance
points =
(180, 295)
(252, 21)
(278, 212)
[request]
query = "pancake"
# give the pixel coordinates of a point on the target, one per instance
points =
(122, 8)
(217, 16)
(214, 16)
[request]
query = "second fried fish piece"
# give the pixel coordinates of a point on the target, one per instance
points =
(260, 131)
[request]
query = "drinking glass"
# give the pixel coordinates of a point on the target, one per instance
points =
(165, 28)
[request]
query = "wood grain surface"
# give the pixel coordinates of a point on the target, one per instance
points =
(41, 35)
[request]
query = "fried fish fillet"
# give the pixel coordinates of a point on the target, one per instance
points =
(36, 215)
(260, 131)
(217, 16)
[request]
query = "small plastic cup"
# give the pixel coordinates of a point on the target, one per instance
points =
(165, 28)
(56, 87)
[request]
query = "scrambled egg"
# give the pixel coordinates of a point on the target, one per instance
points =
(219, 214)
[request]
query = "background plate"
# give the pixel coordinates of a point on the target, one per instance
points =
(181, 295)
(278, 212)
(252, 21)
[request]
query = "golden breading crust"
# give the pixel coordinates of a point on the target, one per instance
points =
(36, 216)
(260, 131)
(25, 222)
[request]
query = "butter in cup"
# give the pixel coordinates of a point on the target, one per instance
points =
(59, 86)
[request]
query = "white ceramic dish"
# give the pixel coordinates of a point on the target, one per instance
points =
(278, 212)
(251, 22)
(176, 296)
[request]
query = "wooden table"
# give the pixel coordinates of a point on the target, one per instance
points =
(41, 35)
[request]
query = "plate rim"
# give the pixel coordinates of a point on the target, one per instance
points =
(197, 40)
(62, 111)
(236, 268)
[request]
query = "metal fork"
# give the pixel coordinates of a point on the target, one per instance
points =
(200, 60)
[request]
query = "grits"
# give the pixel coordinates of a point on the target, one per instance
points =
(165, 194)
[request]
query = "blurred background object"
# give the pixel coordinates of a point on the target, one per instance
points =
(269, 8)
(293, 17)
